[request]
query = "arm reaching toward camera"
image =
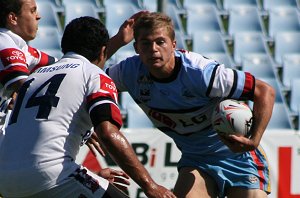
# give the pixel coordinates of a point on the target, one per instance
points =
(121, 151)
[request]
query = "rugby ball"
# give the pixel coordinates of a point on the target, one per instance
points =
(232, 117)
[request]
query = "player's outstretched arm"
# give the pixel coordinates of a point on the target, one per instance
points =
(121, 151)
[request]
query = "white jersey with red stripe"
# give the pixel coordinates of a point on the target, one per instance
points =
(17, 59)
(181, 106)
(56, 106)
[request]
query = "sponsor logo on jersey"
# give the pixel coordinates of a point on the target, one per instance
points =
(12, 55)
(107, 84)
(145, 80)
(111, 86)
(145, 83)
(16, 55)
(85, 179)
(55, 68)
(144, 95)
(187, 94)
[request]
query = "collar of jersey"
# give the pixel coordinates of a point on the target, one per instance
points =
(174, 74)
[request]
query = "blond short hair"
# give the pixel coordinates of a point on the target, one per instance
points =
(152, 21)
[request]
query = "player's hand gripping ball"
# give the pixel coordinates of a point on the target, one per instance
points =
(232, 117)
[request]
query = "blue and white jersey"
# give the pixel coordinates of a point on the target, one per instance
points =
(181, 106)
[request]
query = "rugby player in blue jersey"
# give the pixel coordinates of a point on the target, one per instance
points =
(178, 90)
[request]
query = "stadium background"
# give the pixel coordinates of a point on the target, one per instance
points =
(259, 36)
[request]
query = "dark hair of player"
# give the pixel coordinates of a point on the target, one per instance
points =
(85, 36)
(8, 6)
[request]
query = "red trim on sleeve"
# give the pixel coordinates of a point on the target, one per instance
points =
(12, 56)
(43, 62)
(249, 84)
(108, 87)
(107, 84)
(116, 115)
(94, 96)
(11, 70)
(34, 52)
(108, 110)
(43, 58)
